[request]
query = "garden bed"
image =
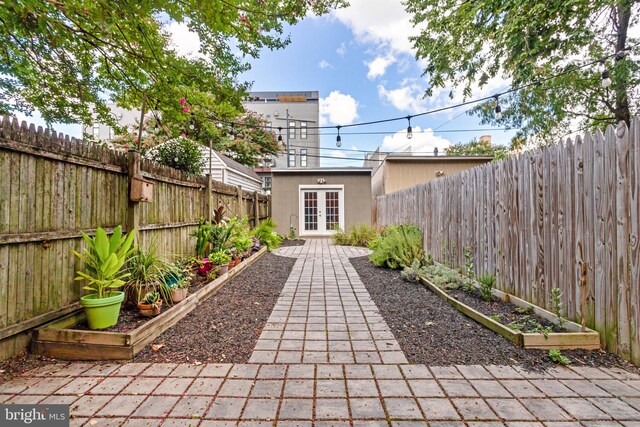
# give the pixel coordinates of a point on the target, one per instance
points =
(62, 340)
(226, 327)
(432, 332)
(569, 336)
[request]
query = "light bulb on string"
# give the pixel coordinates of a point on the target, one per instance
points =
(338, 138)
(606, 79)
(498, 110)
(231, 136)
(280, 134)
(191, 125)
(409, 130)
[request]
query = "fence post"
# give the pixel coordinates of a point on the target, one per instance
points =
(256, 208)
(209, 202)
(240, 202)
(133, 210)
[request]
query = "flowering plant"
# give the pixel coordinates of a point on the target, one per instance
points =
(179, 153)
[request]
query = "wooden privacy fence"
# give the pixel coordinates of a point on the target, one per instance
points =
(534, 219)
(52, 187)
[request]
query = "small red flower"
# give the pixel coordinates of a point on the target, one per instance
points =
(183, 101)
(184, 135)
(185, 109)
(243, 17)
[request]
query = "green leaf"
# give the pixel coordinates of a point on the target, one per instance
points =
(101, 244)
(115, 240)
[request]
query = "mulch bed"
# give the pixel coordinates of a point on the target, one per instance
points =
(432, 332)
(297, 242)
(226, 327)
(505, 311)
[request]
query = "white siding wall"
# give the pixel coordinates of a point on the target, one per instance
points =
(248, 184)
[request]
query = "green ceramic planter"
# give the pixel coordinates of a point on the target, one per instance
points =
(102, 312)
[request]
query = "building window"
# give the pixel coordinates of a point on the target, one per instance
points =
(269, 125)
(303, 158)
(266, 182)
(96, 130)
(292, 130)
(303, 130)
(292, 158)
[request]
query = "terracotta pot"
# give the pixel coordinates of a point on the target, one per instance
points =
(222, 269)
(150, 310)
(178, 295)
(133, 294)
(206, 267)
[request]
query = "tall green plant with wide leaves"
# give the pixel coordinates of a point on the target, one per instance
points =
(103, 259)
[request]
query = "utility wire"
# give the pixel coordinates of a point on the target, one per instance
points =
(461, 104)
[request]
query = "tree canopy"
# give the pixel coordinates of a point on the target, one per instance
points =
(467, 43)
(477, 147)
(68, 58)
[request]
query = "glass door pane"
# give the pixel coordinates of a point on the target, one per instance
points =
(310, 210)
(332, 210)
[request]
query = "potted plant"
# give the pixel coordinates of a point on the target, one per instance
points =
(221, 259)
(103, 260)
(180, 289)
(148, 272)
(150, 305)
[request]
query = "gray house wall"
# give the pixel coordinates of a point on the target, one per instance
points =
(285, 195)
(274, 106)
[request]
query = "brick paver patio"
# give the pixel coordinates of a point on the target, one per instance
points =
(309, 369)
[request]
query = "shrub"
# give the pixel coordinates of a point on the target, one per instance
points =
(414, 272)
(446, 278)
(399, 247)
(266, 234)
(487, 283)
(357, 235)
(179, 153)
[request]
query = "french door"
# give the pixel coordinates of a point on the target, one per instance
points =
(321, 210)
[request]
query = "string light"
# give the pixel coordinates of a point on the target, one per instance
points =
(192, 126)
(606, 79)
(338, 139)
(231, 136)
(498, 109)
(409, 130)
(280, 134)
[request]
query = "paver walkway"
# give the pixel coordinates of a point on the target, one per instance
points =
(325, 314)
(361, 386)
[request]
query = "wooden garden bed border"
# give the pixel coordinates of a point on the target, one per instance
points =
(589, 340)
(58, 340)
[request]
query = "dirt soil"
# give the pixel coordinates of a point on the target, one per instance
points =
(226, 327)
(297, 242)
(504, 312)
(432, 332)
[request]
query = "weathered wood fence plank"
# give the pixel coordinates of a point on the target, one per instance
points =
(534, 219)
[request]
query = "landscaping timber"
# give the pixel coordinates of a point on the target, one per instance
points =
(60, 340)
(574, 338)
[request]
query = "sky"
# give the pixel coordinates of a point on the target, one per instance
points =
(361, 61)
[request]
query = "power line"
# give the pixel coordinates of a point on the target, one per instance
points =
(461, 104)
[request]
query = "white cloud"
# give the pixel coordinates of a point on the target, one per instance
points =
(408, 97)
(378, 66)
(342, 49)
(183, 40)
(382, 22)
(338, 109)
(422, 143)
(337, 154)
(324, 64)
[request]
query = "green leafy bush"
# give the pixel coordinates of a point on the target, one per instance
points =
(447, 278)
(179, 153)
(219, 258)
(399, 247)
(414, 272)
(266, 234)
(149, 272)
(557, 356)
(357, 235)
(487, 283)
